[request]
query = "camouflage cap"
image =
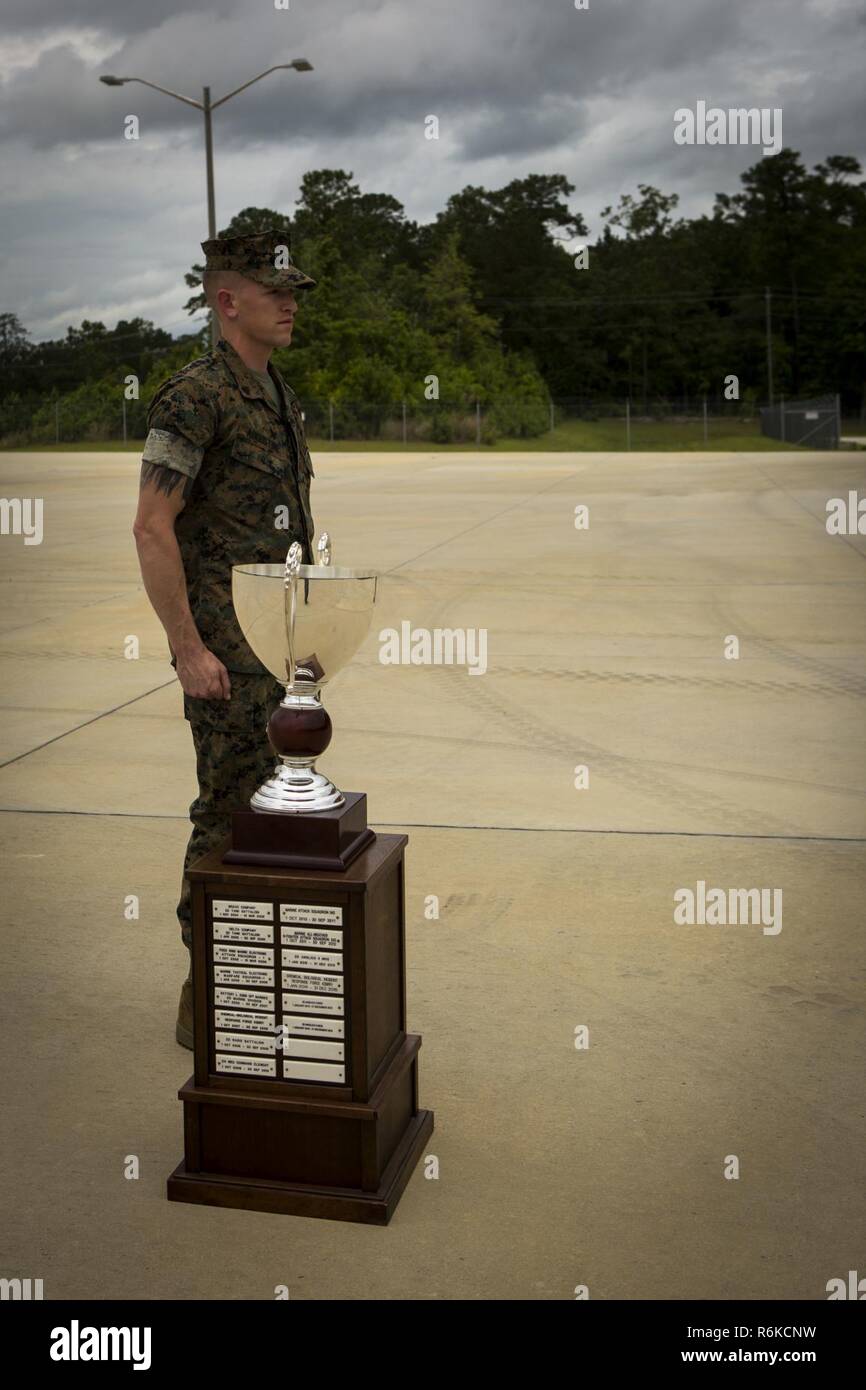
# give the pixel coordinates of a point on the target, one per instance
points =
(265, 257)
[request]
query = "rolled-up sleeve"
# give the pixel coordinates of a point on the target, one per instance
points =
(172, 451)
(181, 423)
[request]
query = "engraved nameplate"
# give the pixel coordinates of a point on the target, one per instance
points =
(236, 1042)
(312, 1004)
(241, 931)
(243, 955)
(242, 975)
(311, 936)
(231, 1018)
(246, 1066)
(314, 960)
(252, 912)
(304, 979)
(243, 999)
(313, 1027)
(314, 913)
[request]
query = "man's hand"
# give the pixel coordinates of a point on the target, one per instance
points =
(203, 675)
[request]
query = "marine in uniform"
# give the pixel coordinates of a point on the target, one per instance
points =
(225, 480)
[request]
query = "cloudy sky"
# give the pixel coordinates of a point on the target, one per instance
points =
(97, 226)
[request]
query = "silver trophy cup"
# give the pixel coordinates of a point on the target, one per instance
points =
(304, 623)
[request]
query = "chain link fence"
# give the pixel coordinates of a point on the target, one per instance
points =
(816, 423)
(622, 423)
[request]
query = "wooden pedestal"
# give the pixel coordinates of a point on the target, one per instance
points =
(317, 840)
(304, 1097)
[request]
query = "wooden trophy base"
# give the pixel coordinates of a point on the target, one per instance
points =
(304, 1098)
(311, 840)
(254, 1158)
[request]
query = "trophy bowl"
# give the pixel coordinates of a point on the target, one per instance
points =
(304, 623)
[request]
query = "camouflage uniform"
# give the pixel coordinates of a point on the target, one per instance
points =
(233, 758)
(250, 470)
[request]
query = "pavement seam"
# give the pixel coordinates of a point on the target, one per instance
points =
(102, 715)
(509, 829)
(523, 502)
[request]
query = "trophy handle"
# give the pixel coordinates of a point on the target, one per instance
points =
(290, 580)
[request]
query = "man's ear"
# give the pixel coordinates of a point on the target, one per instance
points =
(225, 302)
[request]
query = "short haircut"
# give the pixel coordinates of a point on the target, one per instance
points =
(213, 281)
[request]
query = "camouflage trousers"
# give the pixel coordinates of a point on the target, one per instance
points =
(233, 758)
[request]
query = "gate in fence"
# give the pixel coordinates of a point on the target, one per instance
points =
(815, 423)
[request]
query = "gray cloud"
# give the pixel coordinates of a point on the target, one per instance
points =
(518, 87)
(41, 16)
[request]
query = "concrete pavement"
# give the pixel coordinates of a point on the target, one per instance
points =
(606, 652)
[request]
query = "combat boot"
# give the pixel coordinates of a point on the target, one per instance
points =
(183, 1027)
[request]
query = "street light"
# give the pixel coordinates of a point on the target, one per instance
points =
(207, 106)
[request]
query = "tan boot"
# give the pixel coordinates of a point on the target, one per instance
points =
(183, 1027)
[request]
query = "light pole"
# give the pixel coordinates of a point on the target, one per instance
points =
(207, 106)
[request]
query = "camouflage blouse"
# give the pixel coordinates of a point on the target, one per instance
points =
(248, 494)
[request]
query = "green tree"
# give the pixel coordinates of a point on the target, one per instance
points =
(514, 239)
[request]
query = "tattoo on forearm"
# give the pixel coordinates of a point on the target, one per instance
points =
(164, 479)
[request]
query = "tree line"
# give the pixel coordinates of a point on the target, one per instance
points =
(504, 300)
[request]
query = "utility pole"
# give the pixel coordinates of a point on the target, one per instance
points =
(211, 196)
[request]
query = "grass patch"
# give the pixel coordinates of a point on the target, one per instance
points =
(607, 436)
